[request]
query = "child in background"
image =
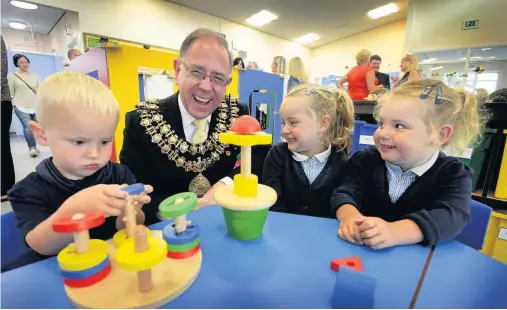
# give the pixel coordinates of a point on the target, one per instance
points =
(316, 124)
(404, 190)
(77, 117)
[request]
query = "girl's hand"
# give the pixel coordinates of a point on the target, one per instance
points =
(376, 232)
(349, 230)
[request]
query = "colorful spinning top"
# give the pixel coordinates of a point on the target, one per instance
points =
(245, 203)
(140, 254)
(130, 214)
(83, 262)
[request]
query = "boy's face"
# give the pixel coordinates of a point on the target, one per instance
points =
(80, 141)
(402, 137)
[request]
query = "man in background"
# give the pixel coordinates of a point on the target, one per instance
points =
(383, 79)
(252, 65)
(73, 53)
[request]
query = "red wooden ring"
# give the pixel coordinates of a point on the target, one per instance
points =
(246, 124)
(186, 254)
(88, 221)
(90, 280)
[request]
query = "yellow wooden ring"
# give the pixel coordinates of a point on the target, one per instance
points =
(70, 260)
(128, 259)
(121, 236)
(245, 139)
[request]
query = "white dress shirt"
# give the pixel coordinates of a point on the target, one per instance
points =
(312, 166)
(189, 129)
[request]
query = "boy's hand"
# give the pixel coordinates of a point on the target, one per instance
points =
(376, 232)
(106, 198)
(349, 230)
(139, 200)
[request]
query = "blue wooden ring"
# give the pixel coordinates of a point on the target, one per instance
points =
(79, 275)
(134, 189)
(189, 235)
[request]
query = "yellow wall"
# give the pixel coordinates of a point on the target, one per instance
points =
(123, 67)
(233, 88)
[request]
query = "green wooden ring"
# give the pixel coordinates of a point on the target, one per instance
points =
(168, 208)
(183, 247)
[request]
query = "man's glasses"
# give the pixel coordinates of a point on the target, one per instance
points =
(201, 75)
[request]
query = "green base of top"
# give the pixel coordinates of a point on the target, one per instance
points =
(245, 225)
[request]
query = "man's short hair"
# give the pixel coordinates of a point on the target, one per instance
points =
(375, 57)
(205, 33)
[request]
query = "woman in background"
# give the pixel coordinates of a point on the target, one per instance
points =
(238, 62)
(361, 78)
(278, 65)
(7, 166)
(409, 65)
(297, 74)
(23, 86)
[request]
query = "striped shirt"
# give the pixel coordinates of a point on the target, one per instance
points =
(399, 181)
(312, 166)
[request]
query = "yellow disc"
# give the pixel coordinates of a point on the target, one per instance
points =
(245, 139)
(121, 236)
(70, 260)
(128, 259)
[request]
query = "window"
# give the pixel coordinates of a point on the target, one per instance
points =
(487, 81)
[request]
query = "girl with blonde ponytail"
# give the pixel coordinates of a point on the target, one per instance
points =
(317, 123)
(405, 190)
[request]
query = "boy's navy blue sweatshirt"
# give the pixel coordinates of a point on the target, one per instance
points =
(41, 193)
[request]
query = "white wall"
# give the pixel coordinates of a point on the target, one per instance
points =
(161, 23)
(386, 41)
(437, 24)
(22, 41)
(59, 39)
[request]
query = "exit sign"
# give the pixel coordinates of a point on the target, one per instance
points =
(470, 24)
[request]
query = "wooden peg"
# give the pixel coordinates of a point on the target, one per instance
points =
(130, 216)
(81, 238)
(246, 160)
(144, 280)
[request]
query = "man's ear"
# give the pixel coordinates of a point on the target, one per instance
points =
(177, 69)
(445, 133)
(38, 133)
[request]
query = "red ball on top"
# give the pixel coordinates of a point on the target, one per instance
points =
(246, 124)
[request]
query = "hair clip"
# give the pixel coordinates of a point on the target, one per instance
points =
(309, 91)
(439, 98)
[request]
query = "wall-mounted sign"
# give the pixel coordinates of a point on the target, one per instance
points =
(470, 24)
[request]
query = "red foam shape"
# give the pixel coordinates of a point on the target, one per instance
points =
(246, 124)
(90, 280)
(185, 254)
(353, 262)
(88, 221)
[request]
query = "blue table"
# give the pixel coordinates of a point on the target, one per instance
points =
(288, 267)
(461, 277)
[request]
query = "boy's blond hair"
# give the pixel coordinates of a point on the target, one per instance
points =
(76, 90)
(333, 102)
(458, 108)
(297, 69)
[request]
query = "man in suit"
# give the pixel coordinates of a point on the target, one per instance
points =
(172, 144)
(383, 79)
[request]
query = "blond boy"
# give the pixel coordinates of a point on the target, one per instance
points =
(77, 117)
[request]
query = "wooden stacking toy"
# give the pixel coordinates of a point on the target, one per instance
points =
(140, 254)
(146, 272)
(182, 237)
(83, 262)
(245, 203)
(130, 215)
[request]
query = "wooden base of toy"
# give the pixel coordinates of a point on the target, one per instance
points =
(266, 197)
(171, 278)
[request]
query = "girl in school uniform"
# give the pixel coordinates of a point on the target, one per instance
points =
(405, 190)
(316, 124)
